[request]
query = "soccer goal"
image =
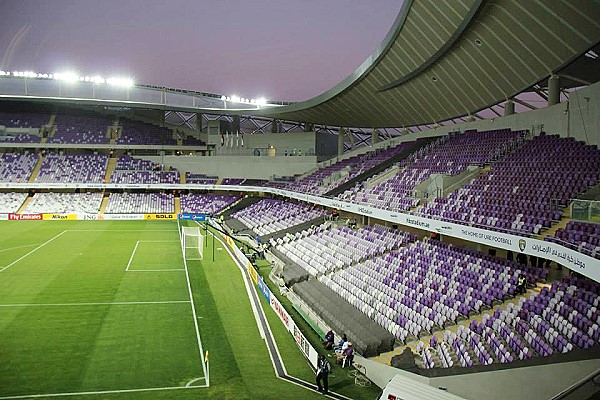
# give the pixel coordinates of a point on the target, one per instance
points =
(192, 243)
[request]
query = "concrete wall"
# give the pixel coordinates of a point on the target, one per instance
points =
(281, 142)
(239, 167)
(526, 383)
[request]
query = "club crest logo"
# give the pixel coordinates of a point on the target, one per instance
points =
(522, 244)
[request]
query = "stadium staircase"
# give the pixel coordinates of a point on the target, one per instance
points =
(110, 168)
(182, 178)
(24, 205)
(104, 204)
(381, 167)
(387, 357)
(36, 170)
(177, 205)
(52, 119)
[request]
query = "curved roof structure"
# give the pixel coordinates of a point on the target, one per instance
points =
(445, 59)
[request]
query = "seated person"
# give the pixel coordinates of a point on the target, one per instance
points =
(342, 344)
(345, 356)
(329, 338)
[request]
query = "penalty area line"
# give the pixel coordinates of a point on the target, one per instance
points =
(18, 247)
(132, 255)
(33, 251)
(102, 392)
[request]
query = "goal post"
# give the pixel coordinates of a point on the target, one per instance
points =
(192, 243)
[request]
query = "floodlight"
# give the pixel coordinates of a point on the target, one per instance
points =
(261, 101)
(223, 98)
(67, 76)
(125, 82)
(235, 98)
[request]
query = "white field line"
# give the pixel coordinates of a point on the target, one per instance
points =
(255, 310)
(157, 270)
(120, 230)
(132, 254)
(150, 270)
(160, 241)
(18, 247)
(101, 392)
(194, 315)
(114, 303)
(33, 251)
(189, 384)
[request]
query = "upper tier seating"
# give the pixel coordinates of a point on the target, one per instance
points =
(20, 138)
(209, 204)
(191, 177)
(78, 129)
(135, 132)
(16, 167)
(23, 119)
(271, 215)
(135, 170)
(232, 181)
(140, 203)
(65, 203)
(89, 168)
(144, 177)
(581, 236)
(517, 194)
(451, 156)
(192, 141)
(332, 176)
(10, 202)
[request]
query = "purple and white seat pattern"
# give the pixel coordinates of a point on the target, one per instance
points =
(272, 215)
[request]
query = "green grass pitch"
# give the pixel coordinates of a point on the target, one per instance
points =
(101, 306)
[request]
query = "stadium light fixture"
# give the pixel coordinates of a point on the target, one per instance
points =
(66, 76)
(124, 82)
(261, 101)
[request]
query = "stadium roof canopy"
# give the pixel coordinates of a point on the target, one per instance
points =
(446, 59)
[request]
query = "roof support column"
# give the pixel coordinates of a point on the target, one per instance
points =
(236, 124)
(275, 126)
(374, 136)
(199, 118)
(509, 107)
(341, 134)
(553, 90)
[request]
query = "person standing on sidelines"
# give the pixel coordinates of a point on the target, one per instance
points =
(323, 370)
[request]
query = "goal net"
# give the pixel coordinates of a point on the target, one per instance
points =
(192, 243)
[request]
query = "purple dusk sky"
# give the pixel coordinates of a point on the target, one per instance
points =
(281, 49)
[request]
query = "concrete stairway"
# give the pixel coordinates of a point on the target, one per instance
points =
(24, 205)
(110, 168)
(104, 204)
(36, 170)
